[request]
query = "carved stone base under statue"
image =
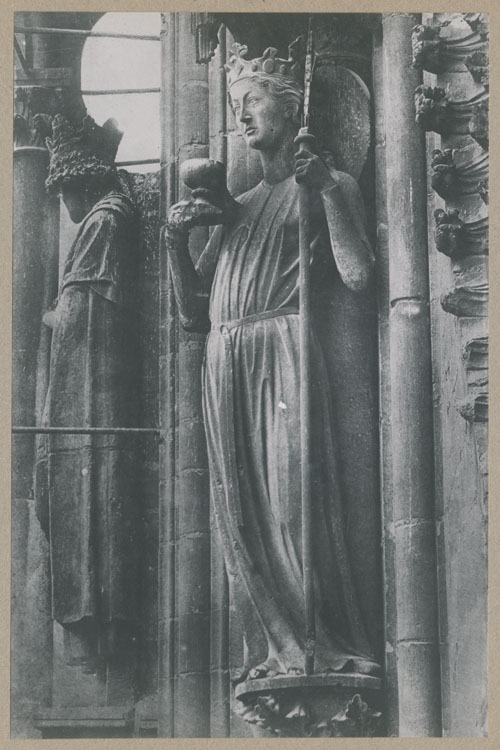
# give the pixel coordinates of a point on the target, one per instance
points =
(320, 705)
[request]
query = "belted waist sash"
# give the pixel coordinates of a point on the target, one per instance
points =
(237, 322)
(233, 488)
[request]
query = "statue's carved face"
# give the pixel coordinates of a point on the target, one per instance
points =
(262, 119)
(76, 201)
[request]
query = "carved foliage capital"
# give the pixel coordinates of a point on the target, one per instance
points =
(466, 302)
(445, 180)
(427, 48)
(356, 719)
(478, 22)
(34, 110)
(478, 64)
(483, 190)
(475, 354)
(431, 107)
(459, 172)
(478, 125)
(449, 232)
(474, 408)
(448, 45)
(457, 239)
(469, 298)
(434, 111)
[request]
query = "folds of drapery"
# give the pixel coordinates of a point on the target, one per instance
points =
(85, 485)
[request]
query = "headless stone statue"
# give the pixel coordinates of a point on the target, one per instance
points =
(245, 290)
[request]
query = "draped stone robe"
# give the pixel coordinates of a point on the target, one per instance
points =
(85, 484)
(251, 412)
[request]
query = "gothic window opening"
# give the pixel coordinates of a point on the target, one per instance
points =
(120, 78)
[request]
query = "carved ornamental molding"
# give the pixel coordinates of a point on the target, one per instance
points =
(434, 54)
(321, 705)
(478, 64)
(469, 298)
(436, 112)
(478, 124)
(474, 408)
(475, 355)
(34, 110)
(356, 719)
(205, 27)
(460, 172)
(451, 44)
(457, 43)
(457, 239)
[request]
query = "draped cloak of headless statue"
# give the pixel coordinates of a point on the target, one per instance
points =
(249, 273)
(84, 484)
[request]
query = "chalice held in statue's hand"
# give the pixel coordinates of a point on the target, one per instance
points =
(211, 200)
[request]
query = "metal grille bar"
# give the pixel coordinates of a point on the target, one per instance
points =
(104, 92)
(21, 430)
(84, 32)
(21, 58)
(135, 162)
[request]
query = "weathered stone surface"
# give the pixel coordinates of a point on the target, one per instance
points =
(459, 172)
(446, 46)
(189, 538)
(234, 478)
(469, 298)
(36, 218)
(340, 116)
(412, 458)
(436, 111)
(323, 705)
(461, 288)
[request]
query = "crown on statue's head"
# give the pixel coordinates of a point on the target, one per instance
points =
(269, 65)
(81, 152)
(101, 140)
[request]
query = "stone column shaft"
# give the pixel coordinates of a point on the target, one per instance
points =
(417, 644)
(35, 251)
(185, 540)
(192, 696)
(385, 434)
(167, 346)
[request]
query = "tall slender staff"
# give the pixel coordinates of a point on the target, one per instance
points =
(305, 140)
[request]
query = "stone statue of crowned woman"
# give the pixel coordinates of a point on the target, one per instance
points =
(244, 290)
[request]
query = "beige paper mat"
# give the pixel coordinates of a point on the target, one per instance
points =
(7, 9)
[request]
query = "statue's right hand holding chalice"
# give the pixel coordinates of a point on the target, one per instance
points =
(210, 202)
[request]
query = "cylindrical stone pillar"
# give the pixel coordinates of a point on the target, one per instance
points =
(35, 261)
(417, 644)
(385, 431)
(192, 689)
(36, 229)
(167, 413)
(185, 512)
